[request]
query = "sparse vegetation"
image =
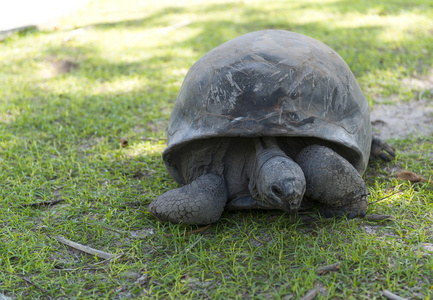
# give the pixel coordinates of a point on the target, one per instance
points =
(112, 70)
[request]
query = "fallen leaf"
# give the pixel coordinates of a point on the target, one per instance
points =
(411, 176)
(391, 296)
(330, 268)
(311, 294)
(123, 142)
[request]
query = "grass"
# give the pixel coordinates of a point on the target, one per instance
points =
(67, 97)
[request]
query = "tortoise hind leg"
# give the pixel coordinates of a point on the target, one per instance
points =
(201, 202)
(333, 182)
(381, 149)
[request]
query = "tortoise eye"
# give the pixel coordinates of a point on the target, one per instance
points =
(276, 191)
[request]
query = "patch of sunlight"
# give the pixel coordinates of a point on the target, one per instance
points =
(308, 16)
(146, 148)
(138, 13)
(77, 86)
(399, 28)
(120, 85)
(200, 2)
(164, 36)
(179, 72)
(278, 4)
(394, 27)
(137, 45)
(357, 20)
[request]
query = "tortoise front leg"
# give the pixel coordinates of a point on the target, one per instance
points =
(201, 202)
(333, 182)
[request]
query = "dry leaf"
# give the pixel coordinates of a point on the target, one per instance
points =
(411, 176)
(311, 294)
(330, 268)
(123, 142)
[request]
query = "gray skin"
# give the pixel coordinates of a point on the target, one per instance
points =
(255, 173)
(269, 120)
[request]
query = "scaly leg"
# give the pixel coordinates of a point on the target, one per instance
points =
(201, 202)
(333, 182)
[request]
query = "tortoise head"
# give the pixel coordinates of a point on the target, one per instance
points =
(278, 181)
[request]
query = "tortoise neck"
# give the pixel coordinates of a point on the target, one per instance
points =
(266, 149)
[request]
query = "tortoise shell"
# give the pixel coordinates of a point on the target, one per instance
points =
(271, 83)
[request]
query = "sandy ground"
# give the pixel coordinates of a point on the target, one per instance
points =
(403, 120)
(407, 119)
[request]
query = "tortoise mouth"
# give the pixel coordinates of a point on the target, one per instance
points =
(290, 208)
(286, 202)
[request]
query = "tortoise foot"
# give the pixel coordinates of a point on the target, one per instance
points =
(333, 182)
(201, 202)
(357, 209)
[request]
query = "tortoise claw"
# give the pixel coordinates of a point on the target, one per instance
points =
(381, 149)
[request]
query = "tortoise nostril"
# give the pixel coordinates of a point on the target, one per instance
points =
(276, 190)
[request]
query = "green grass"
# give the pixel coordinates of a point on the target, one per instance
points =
(67, 97)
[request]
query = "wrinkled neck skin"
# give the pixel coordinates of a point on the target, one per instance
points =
(277, 180)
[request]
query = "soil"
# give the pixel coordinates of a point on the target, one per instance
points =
(403, 120)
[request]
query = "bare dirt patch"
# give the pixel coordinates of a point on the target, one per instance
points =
(58, 67)
(403, 120)
(63, 66)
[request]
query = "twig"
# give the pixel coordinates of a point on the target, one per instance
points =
(192, 246)
(86, 249)
(381, 199)
(43, 203)
(176, 26)
(311, 294)
(379, 217)
(190, 232)
(391, 296)
(198, 230)
(89, 267)
(330, 268)
(75, 32)
(31, 283)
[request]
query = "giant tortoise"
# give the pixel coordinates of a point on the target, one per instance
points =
(269, 120)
